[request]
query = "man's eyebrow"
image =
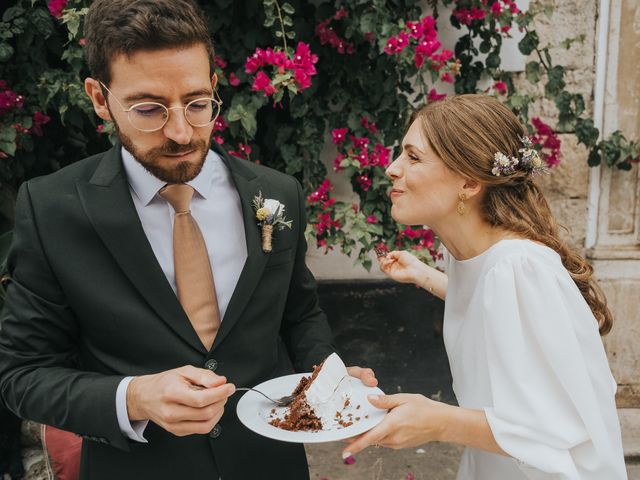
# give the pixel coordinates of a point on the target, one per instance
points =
(204, 92)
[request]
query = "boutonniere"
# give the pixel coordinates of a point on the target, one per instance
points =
(270, 214)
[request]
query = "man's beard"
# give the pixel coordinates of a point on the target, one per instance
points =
(180, 171)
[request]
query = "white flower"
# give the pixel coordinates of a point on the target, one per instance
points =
(274, 206)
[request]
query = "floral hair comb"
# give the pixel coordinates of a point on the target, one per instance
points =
(529, 161)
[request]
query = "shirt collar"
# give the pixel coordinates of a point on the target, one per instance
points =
(146, 186)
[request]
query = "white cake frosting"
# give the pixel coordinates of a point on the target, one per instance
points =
(329, 391)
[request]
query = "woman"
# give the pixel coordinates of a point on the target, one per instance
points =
(522, 314)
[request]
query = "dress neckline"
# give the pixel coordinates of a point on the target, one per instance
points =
(481, 255)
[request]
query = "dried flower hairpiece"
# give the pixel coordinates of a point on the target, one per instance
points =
(529, 162)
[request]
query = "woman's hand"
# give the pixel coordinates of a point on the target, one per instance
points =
(402, 267)
(411, 421)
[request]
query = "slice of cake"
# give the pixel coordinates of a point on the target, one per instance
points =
(320, 398)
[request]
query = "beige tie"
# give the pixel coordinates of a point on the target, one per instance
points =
(194, 279)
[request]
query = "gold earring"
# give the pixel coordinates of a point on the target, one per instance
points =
(461, 206)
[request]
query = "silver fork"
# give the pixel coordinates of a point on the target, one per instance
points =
(281, 402)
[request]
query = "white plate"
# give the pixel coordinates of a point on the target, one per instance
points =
(254, 411)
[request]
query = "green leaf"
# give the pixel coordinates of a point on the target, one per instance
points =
(533, 72)
(586, 132)
(6, 51)
(594, 157)
(288, 8)
(43, 22)
(493, 60)
(278, 33)
(8, 147)
(529, 43)
(11, 13)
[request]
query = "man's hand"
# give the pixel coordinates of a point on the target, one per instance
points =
(183, 401)
(365, 375)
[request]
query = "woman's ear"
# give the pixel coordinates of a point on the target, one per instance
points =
(94, 91)
(214, 80)
(470, 188)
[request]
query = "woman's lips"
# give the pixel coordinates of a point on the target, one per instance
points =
(395, 192)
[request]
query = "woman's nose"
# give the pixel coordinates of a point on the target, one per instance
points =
(394, 170)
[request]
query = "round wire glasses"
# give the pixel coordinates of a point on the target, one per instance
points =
(153, 116)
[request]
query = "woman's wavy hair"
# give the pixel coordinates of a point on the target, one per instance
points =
(466, 131)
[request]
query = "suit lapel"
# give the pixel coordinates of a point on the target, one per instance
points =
(248, 186)
(107, 202)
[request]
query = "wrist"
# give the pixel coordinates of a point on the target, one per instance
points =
(448, 423)
(134, 405)
(424, 280)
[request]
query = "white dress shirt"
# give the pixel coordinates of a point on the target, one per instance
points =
(217, 209)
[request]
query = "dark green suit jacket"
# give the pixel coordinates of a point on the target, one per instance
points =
(89, 304)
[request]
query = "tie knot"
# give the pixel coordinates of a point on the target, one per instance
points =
(179, 195)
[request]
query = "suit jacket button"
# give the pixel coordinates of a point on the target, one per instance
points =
(217, 430)
(211, 364)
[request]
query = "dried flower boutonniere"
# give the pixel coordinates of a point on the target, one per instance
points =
(270, 214)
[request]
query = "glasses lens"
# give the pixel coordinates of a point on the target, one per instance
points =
(148, 116)
(202, 111)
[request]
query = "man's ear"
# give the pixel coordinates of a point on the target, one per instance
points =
(94, 91)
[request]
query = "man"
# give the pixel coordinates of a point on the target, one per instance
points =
(116, 326)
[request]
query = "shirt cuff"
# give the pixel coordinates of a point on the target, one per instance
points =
(133, 430)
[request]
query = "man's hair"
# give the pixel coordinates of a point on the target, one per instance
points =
(115, 27)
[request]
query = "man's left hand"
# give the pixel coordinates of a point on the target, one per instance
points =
(365, 375)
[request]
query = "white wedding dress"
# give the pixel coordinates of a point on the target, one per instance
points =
(524, 347)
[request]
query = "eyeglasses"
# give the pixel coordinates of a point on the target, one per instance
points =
(153, 116)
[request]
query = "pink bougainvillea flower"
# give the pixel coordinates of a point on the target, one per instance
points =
(100, 128)
(243, 151)
(548, 141)
(220, 124)
(500, 87)
(9, 99)
(434, 96)
(56, 7)
(364, 121)
(496, 8)
(39, 119)
(321, 194)
(82, 42)
(359, 142)
(364, 181)
(339, 135)
(410, 476)
(327, 35)
(220, 63)
(446, 77)
(218, 139)
(463, 15)
(372, 219)
(478, 13)
(233, 80)
(416, 29)
(337, 161)
(262, 83)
